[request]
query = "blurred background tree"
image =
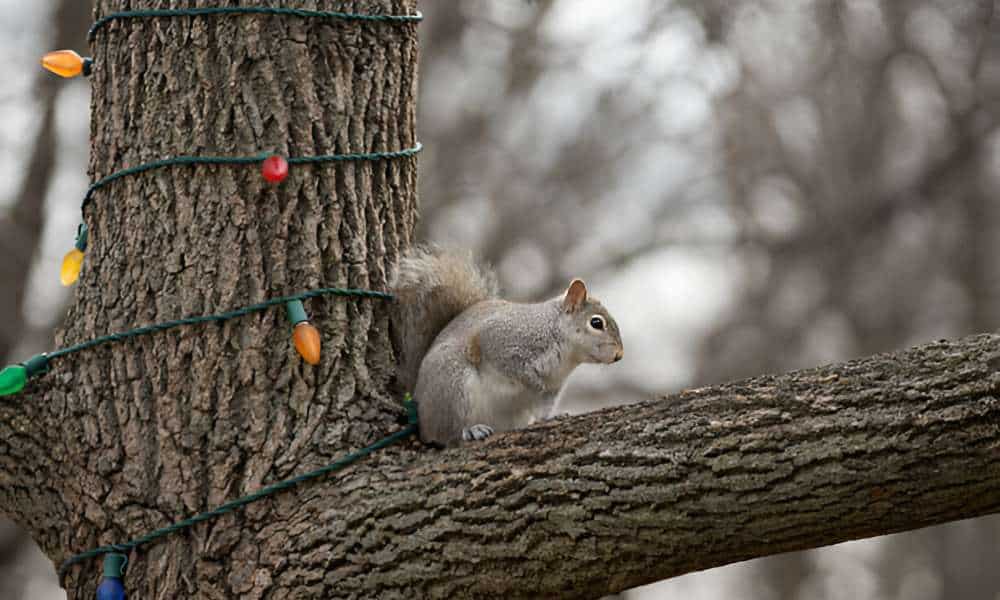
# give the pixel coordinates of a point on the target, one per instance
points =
(751, 185)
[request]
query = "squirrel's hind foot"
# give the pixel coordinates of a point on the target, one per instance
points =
(476, 433)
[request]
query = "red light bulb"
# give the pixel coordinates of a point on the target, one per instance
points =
(274, 168)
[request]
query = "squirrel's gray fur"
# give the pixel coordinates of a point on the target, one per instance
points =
(477, 364)
(433, 286)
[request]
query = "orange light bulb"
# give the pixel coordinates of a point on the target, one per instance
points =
(71, 265)
(66, 63)
(306, 338)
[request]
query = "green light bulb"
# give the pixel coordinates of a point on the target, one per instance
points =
(12, 379)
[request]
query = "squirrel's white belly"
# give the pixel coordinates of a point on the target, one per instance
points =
(502, 402)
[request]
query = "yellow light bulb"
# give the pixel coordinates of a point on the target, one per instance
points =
(64, 63)
(306, 338)
(71, 265)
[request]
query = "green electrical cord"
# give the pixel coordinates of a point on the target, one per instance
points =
(244, 160)
(228, 507)
(248, 10)
(15, 377)
(226, 316)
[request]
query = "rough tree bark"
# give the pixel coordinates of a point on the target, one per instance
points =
(137, 435)
(604, 502)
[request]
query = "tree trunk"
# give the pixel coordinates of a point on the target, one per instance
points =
(136, 435)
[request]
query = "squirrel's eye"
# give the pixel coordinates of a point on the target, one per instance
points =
(597, 322)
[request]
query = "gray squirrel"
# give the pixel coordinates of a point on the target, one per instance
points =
(477, 364)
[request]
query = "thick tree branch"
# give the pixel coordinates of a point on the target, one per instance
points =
(599, 503)
(603, 502)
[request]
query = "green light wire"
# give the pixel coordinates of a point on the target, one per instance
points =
(240, 312)
(39, 364)
(228, 507)
(243, 160)
(247, 10)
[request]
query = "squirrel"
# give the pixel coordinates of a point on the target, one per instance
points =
(478, 364)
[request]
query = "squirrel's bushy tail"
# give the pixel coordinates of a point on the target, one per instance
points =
(432, 286)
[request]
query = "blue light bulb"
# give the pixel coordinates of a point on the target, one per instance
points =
(111, 588)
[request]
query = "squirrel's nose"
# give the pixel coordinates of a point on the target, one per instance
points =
(619, 355)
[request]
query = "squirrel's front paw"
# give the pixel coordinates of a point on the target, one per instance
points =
(477, 432)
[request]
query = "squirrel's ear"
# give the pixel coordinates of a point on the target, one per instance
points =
(576, 295)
